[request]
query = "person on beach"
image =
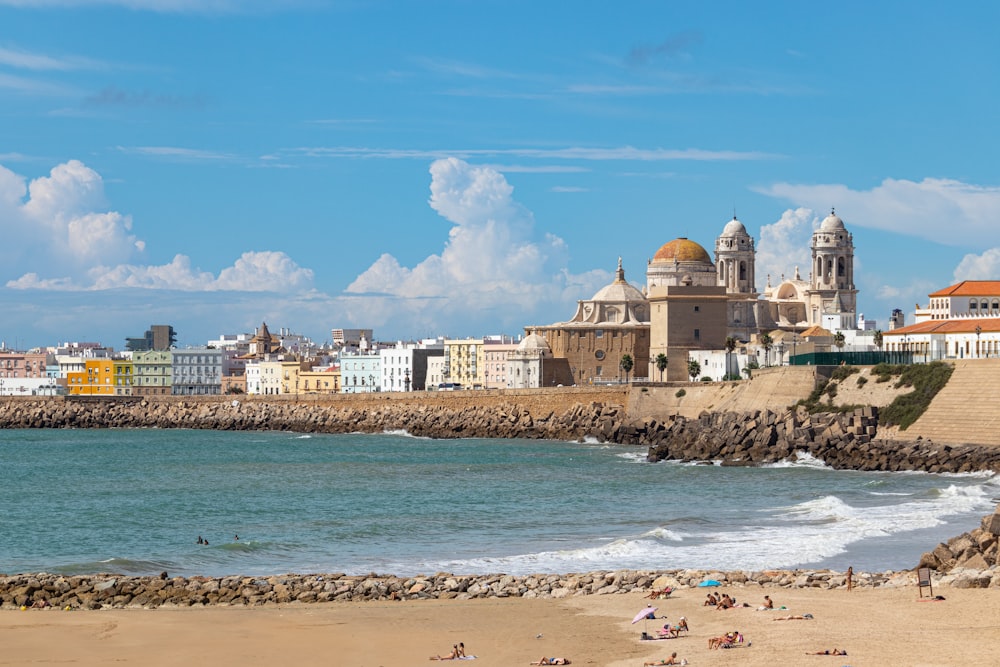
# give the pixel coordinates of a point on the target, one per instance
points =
(672, 660)
(461, 650)
(711, 600)
(725, 603)
(828, 652)
(200, 540)
(552, 661)
(454, 655)
(768, 602)
(803, 617)
(850, 578)
(724, 640)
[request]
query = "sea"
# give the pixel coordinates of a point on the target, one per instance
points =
(137, 501)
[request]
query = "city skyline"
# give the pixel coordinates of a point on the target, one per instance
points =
(465, 169)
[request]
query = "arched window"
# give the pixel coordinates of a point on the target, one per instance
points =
(996, 306)
(983, 305)
(743, 270)
(972, 304)
(841, 267)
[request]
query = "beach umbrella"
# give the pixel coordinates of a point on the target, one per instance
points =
(710, 582)
(644, 615)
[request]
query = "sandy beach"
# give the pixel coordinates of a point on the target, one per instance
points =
(875, 626)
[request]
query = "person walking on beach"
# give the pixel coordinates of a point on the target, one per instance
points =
(850, 578)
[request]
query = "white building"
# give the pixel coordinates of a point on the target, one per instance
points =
(404, 366)
(197, 371)
(961, 321)
(360, 373)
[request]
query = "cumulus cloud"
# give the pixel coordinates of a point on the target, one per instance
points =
(253, 272)
(58, 221)
(979, 267)
(492, 260)
(784, 245)
(921, 209)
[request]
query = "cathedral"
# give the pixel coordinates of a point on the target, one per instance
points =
(691, 302)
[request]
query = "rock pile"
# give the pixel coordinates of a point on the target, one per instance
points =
(498, 420)
(970, 560)
(104, 591)
(842, 441)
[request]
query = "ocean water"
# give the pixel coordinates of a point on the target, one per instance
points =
(135, 501)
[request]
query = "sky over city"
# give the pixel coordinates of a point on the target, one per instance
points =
(463, 168)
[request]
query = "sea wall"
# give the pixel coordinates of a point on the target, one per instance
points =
(552, 415)
(105, 591)
(841, 440)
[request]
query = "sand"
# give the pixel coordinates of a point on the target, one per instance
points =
(875, 626)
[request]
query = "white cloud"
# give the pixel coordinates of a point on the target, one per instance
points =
(253, 272)
(784, 245)
(491, 264)
(979, 267)
(61, 225)
(923, 209)
(37, 61)
(624, 153)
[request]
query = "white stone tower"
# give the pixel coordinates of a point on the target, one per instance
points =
(832, 290)
(734, 266)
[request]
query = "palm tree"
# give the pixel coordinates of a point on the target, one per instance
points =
(839, 340)
(627, 365)
(767, 343)
(877, 339)
(661, 364)
(694, 369)
(731, 343)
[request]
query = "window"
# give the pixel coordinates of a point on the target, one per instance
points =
(697, 334)
(697, 309)
(599, 333)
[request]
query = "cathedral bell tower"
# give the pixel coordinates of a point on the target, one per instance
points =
(734, 266)
(832, 279)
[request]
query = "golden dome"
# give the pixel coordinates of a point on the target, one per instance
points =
(682, 250)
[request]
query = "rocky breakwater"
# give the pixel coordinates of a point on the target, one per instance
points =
(108, 591)
(496, 419)
(841, 440)
(970, 560)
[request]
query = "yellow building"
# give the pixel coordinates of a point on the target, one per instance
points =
(465, 362)
(326, 381)
(96, 379)
(123, 377)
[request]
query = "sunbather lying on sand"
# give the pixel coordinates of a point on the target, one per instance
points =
(552, 661)
(672, 660)
(804, 617)
(835, 651)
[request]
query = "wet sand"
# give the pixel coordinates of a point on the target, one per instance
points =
(875, 626)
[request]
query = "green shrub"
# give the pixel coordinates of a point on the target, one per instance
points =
(843, 372)
(705, 378)
(927, 380)
(680, 393)
(862, 380)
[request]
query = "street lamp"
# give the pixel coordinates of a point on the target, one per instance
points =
(979, 330)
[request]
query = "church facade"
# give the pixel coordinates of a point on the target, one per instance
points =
(691, 301)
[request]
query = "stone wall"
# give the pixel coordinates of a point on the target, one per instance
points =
(549, 415)
(106, 591)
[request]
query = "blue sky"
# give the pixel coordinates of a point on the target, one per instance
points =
(464, 167)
